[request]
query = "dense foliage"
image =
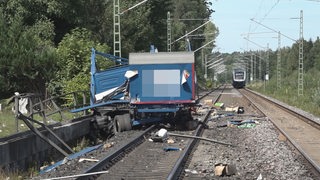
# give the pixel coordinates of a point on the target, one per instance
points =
(45, 45)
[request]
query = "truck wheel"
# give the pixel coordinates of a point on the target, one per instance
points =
(127, 122)
(122, 123)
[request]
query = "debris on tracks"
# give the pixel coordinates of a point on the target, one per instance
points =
(171, 149)
(219, 105)
(108, 145)
(170, 141)
(221, 169)
(201, 138)
(88, 159)
(159, 136)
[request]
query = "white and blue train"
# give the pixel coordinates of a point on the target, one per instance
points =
(238, 78)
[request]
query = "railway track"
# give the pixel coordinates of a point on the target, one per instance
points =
(259, 152)
(300, 129)
(150, 160)
(130, 154)
(140, 158)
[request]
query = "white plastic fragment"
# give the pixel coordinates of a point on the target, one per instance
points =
(259, 177)
(87, 159)
(162, 132)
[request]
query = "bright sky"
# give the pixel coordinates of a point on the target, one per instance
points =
(232, 17)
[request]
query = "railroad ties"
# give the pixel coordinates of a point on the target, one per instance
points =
(239, 135)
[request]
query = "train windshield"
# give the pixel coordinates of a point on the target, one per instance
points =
(239, 75)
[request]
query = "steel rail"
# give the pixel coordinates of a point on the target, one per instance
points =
(108, 159)
(178, 167)
(305, 118)
(291, 140)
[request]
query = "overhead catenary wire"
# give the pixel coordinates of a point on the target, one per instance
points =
(273, 30)
(267, 13)
(190, 32)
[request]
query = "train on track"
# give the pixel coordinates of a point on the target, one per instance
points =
(238, 78)
(147, 88)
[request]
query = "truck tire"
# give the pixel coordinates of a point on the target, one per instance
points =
(127, 122)
(122, 123)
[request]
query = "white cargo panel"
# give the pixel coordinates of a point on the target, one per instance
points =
(161, 58)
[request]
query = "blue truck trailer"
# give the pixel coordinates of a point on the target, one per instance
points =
(147, 88)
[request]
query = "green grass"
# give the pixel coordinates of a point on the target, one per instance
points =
(11, 175)
(8, 124)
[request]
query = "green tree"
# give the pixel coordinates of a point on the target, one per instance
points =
(27, 57)
(315, 53)
(74, 53)
(187, 16)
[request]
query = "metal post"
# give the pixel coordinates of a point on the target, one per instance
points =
(116, 29)
(279, 62)
(300, 75)
(84, 102)
(254, 70)
(251, 71)
(267, 64)
(31, 106)
(260, 66)
(16, 110)
(205, 67)
(202, 59)
(168, 32)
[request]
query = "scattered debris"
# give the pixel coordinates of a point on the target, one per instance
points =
(208, 102)
(225, 169)
(238, 109)
(191, 171)
(239, 123)
(247, 125)
(222, 124)
(171, 149)
(219, 169)
(201, 111)
(108, 145)
(43, 167)
(219, 105)
(162, 135)
(201, 138)
(282, 137)
(194, 172)
(170, 141)
(78, 175)
(159, 136)
(65, 160)
(87, 159)
(231, 169)
(231, 109)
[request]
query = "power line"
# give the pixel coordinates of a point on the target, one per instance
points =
(269, 11)
(273, 30)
